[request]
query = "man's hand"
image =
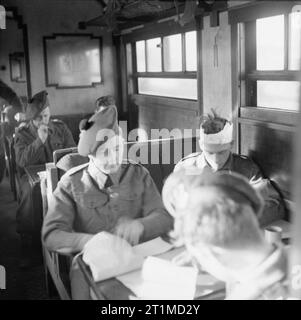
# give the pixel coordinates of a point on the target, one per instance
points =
(129, 229)
(43, 132)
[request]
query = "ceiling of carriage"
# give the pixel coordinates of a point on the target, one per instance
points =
(120, 14)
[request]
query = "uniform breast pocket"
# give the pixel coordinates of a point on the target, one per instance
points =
(130, 202)
(92, 211)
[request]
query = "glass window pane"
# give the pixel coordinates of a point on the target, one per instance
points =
(295, 40)
(191, 48)
(270, 43)
(140, 55)
(154, 63)
(167, 87)
(278, 94)
(172, 53)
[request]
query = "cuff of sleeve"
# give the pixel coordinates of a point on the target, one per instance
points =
(155, 225)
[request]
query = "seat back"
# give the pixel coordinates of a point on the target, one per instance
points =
(60, 153)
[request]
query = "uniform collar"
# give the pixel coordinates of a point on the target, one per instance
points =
(203, 164)
(100, 177)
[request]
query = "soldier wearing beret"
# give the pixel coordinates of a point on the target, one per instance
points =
(34, 144)
(216, 218)
(216, 139)
(106, 194)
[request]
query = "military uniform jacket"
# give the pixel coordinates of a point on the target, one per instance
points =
(29, 148)
(82, 205)
(273, 210)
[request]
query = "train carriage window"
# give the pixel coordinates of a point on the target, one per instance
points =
(166, 66)
(270, 43)
(172, 53)
(140, 52)
(272, 61)
(191, 51)
(153, 55)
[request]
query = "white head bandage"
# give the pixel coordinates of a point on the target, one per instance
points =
(223, 137)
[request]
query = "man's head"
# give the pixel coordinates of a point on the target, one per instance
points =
(216, 140)
(9, 114)
(101, 139)
(38, 109)
(215, 216)
(103, 102)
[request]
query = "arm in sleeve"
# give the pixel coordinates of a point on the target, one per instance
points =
(57, 231)
(68, 138)
(156, 220)
(273, 205)
(28, 154)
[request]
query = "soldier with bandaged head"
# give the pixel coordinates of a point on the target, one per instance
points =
(216, 140)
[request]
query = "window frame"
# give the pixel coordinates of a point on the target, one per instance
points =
(161, 30)
(250, 75)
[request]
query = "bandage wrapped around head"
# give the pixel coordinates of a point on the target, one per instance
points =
(215, 131)
(97, 130)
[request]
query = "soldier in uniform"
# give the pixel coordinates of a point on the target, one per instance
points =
(216, 139)
(215, 218)
(106, 194)
(34, 144)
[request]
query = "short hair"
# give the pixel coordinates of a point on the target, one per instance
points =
(213, 218)
(212, 123)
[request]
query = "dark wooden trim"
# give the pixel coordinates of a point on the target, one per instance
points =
(273, 75)
(270, 125)
(269, 115)
(134, 66)
(54, 35)
(184, 75)
(235, 62)
(158, 30)
(183, 43)
(27, 60)
(23, 27)
(259, 10)
(151, 101)
(200, 67)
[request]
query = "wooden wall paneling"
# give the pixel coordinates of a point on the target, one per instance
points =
(272, 150)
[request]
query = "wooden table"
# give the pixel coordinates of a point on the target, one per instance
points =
(113, 289)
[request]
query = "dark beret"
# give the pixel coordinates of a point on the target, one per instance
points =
(97, 129)
(36, 105)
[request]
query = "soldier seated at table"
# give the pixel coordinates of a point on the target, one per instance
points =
(216, 141)
(34, 145)
(106, 194)
(216, 219)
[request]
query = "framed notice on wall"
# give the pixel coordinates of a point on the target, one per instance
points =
(17, 67)
(73, 60)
